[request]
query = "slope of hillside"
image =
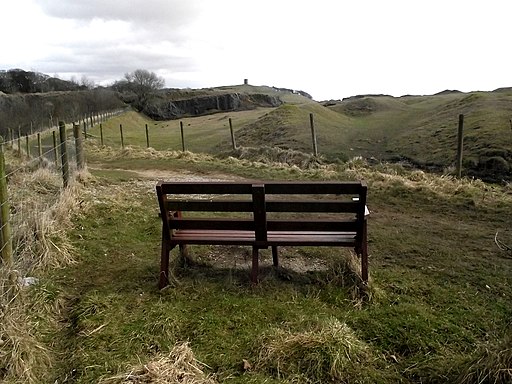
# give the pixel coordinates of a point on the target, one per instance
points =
(289, 127)
(423, 130)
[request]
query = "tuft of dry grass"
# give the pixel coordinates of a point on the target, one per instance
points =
(180, 366)
(273, 155)
(41, 213)
(23, 357)
(385, 176)
(346, 272)
(490, 364)
(329, 352)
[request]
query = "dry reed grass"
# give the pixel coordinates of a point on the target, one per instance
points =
(40, 216)
(23, 357)
(179, 367)
(276, 155)
(328, 352)
(385, 176)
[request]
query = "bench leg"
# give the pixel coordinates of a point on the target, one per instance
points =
(275, 257)
(164, 266)
(255, 267)
(364, 255)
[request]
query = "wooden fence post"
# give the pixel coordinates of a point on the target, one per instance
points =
(27, 146)
(232, 134)
(147, 136)
(11, 137)
(460, 145)
(55, 153)
(122, 138)
(6, 234)
(182, 137)
(64, 154)
(313, 134)
(39, 146)
(80, 162)
(85, 130)
(101, 134)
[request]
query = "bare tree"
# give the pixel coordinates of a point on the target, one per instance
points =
(144, 83)
(87, 83)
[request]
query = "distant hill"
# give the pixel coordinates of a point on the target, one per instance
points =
(21, 81)
(423, 129)
(416, 130)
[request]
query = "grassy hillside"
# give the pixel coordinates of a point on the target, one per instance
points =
(288, 126)
(419, 129)
(439, 305)
(423, 129)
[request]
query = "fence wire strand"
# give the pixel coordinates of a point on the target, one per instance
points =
(34, 184)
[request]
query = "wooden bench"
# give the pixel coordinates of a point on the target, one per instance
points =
(256, 214)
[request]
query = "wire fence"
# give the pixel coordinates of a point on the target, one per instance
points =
(35, 172)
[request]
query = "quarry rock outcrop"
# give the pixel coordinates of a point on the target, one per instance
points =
(166, 109)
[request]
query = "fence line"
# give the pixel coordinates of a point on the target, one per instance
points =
(29, 185)
(96, 117)
(125, 135)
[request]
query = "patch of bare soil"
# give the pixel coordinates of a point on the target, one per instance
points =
(156, 174)
(238, 257)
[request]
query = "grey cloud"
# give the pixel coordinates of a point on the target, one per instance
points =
(152, 22)
(101, 63)
(175, 12)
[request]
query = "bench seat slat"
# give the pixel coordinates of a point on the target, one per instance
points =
(222, 237)
(310, 240)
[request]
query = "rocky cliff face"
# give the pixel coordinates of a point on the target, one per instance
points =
(165, 109)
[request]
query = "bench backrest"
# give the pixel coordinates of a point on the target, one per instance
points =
(261, 206)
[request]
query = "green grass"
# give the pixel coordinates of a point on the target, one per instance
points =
(441, 290)
(418, 129)
(202, 134)
(423, 129)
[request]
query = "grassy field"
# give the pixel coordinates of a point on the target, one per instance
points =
(438, 309)
(439, 303)
(421, 130)
(424, 129)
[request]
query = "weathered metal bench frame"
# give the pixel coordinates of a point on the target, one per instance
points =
(260, 231)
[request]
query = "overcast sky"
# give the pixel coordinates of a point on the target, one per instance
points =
(328, 48)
